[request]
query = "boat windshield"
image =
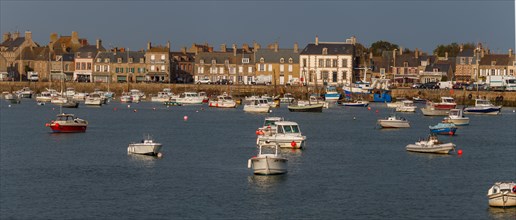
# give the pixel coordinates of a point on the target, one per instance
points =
(64, 118)
(450, 100)
(291, 129)
(269, 122)
(483, 102)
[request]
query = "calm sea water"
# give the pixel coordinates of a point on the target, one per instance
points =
(349, 169)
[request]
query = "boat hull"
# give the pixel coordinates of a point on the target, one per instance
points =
(445, 131)
(216, 104)
(485, 110)
(355, 104)
(438, 149)
(57, 128)
(307, 108)
(434, 112)
(144, 148)
(257, 109)
(393, 124)
(458, 121)
(406, 109)
(268, 165)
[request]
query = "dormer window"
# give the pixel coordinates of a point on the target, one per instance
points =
(99, 60)
(106, 60)
(325, 51)
(436, 70)
(130, 60)
(282, 60)
(201, 61)
(493, 63)
(119, 60)
(262, 60)
(290, 60)
(226, 62)
(405, 64)
(245, 60)
(213, 61)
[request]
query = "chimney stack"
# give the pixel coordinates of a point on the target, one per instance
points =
(6, 36)
(168, 45)
(16, 35)
(53, 38)
(316, 40)
(461, 47)
(482, 52)
(28, 35)
(401, 50)
(417, 53)
(510, 52)
(245, 47)
(223, 48)
(370, 55)
(296, 47)
(446, 55)
(149, 45)
(255, 46)
(234, 50)
(276, 47)
(75, 37)
(183, 50)
(99, 44)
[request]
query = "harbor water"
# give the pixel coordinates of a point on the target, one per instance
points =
(350, 169)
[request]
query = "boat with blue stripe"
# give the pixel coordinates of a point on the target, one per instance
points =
(443, 128)
(483, 106)
(331, 94)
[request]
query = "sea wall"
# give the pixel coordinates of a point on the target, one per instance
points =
(461, 96)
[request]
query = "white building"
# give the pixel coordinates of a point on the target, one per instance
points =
(331, 62)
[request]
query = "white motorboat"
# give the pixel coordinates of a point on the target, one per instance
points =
(431, 145)
(70, 92)
(223, 101)
(161, 97)
(93, 99)
(446, 103)
(356, 103)
(269, 126)
(502, 194)
(394, 122)
(257, 105)
(136, 95)
(406, 106)
(126, 98)
(268, 163)
(46, 96)
(288, 135)
(456, 117)
(58, 100)
(273, 102)
(483, 106)
(80, 96)
(190, 98)
(146, 147)
(287, 98)
(394, 104)
(204, 96)
(25, 92)
(430, 110)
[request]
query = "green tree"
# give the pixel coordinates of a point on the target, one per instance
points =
(379, 47)
(453, 49)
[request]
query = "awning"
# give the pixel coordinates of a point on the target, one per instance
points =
(156, 74)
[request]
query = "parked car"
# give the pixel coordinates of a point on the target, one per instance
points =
(293, 81)
(430, 85)
(224, 82)
(475, 85)
(204, 81)
(416, 85)
(460, 85)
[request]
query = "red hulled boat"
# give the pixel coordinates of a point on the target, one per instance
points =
(445, 104)
(68, 123)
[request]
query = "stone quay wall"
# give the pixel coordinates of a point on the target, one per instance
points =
(461, 96)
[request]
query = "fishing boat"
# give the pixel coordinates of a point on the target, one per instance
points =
(160, 97)
(331, 94)
(288, 135)
(430, 110)
(126, 98)
(274, 102)
(443, 128)
(46, 96)
(257, 105)
(70, 92)
(305, 106)
(456, 117)
(223, 101)
(446, 103)
(406, 106)
(12, 98)
(502, 194)
(93, 99)
(269, 126)
(356, 103)
(190, 98)
(394, 122)
(431, 145)
(25, 92)
(287, 98)
(268, 163)
(146, 147)
(358, 87)
(68, 123)
(483, 106)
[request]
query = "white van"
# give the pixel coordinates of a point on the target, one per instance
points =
(32, 76)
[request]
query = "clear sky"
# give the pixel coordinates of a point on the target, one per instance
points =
(409, 23)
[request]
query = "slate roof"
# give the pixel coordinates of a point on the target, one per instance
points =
(113, 57)
(12, 44)
(159, 49)
(407, 57)
(333, 48)
(270, 56)
(440, 66)
(85, 50)
(34, 53)
(221, 57)
(182, 57)
(501, 59)
(466, 53)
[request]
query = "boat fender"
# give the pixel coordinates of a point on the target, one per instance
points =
(57, 124)
(293, 144)
(514, 189)
(470, 96)
(249, 164)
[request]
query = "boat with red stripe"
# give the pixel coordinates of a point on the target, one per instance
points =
(68, 123)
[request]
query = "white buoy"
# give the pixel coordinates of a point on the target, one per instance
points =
(354, 118)
(159, 155)
(9, 106)
(128, 106)
(197, 111)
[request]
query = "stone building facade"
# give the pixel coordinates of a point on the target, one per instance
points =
(282, 65)
(120, 65)
(157, 59)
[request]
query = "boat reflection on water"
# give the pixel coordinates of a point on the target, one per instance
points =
(143, 160)
(430, 156)
(265, 183)
(502, 213)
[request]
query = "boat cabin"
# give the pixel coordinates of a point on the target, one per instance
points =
(447, 100)
(65, 117)
(455, 113)
(482, 102)
(189, 95)
(288, 127)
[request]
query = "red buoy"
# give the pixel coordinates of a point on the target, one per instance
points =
(293, 144)
(451, 133)
(459, 152)
(368, 108)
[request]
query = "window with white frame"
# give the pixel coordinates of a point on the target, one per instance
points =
(290, 68)
(221, 70)
(270, 67)
(290, 60)
(163, 57)
(262, 60)
(153, 57)
(325, 51)
(99, 60)
(344, 63)
(321, 63)
(201, 62)
(261, 67)
(282, 60)
(245, 60)
(152, 68)
(250, 69)
(282, 68)
(240, 69)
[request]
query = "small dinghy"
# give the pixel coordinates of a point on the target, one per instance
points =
(268, 164)
(443, 128)
(394, 122)
(456, 117)
(431, 145)
(502, 194)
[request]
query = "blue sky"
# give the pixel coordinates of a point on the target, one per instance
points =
(423, 24)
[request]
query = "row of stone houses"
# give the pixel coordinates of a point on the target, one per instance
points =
(328, 63)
